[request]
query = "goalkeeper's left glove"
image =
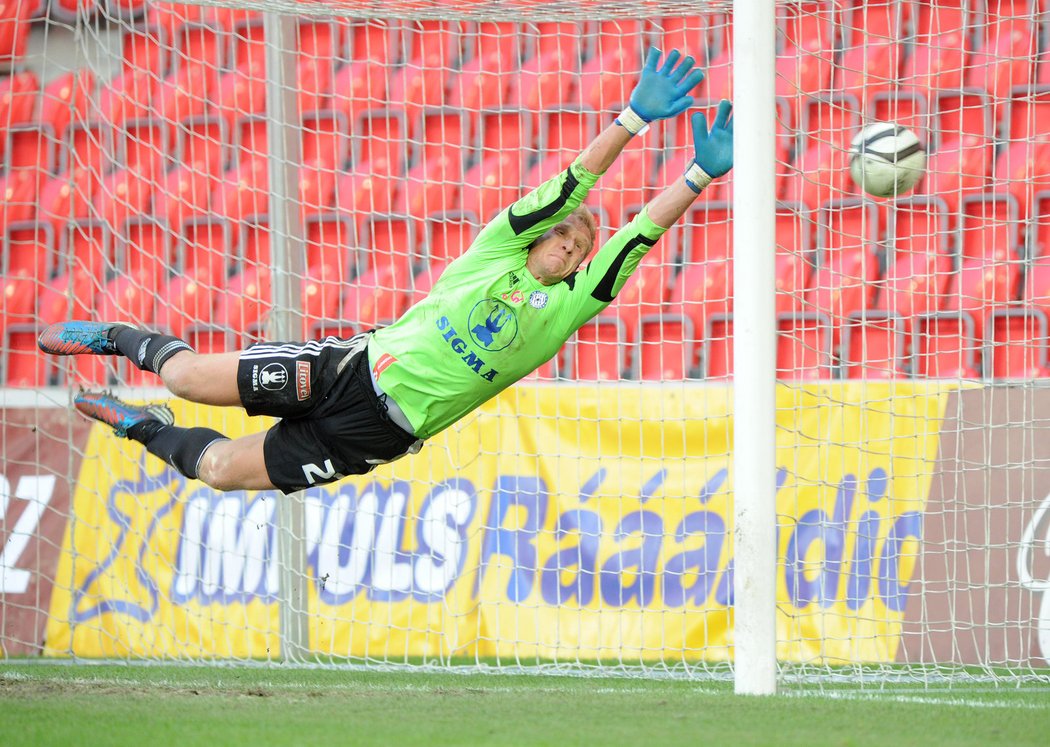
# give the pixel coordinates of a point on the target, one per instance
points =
(713, 150)
(661, 93)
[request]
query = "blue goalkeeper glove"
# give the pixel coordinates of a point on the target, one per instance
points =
(713, 150)
(661, 93)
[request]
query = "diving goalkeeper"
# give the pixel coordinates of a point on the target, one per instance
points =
(496, 313)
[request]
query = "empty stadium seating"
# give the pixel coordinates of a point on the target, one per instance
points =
(146, 193)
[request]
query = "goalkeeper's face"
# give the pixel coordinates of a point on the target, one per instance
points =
(560, 252)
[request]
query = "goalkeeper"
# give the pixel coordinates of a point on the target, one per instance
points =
(496, 313)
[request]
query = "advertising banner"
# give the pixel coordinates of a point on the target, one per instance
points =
(567, 522)
(41, 449)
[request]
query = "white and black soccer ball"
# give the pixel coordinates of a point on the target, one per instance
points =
(886, 159)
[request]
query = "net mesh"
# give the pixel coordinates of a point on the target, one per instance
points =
(582, 521)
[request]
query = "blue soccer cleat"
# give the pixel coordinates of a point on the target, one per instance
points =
(78, 338)
(119, 415)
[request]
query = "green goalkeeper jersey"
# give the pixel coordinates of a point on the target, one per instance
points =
(488, 322)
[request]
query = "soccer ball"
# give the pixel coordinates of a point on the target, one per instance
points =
(886, 159)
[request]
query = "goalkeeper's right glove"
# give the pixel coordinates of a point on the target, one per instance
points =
(661, 93)
(713, 150)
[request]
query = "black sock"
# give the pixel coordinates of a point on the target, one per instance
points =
(147, 350)
(182, 448)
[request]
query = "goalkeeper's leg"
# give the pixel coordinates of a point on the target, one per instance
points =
(207, 379)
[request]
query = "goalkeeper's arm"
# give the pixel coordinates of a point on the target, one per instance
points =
(661, 93)
(606, 274)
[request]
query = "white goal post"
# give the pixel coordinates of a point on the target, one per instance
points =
(803, 445)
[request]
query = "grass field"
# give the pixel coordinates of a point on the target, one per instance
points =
(54, 704)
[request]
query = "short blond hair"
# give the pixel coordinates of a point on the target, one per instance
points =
(586, 218)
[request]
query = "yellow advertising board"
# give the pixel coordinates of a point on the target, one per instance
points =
(569, 522)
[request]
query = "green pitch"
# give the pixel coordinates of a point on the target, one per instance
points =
(45, 704)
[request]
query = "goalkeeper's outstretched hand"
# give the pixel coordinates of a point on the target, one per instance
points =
(664, 93)
(714, 148)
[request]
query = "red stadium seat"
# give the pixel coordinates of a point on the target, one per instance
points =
(375, 40)
(804, 346)
(14, 31)
(848, 266)
(241, 93)
(23, 364)
(205, 246)
(90, 147)
(330, 244)
(708, 232)
(832, 120)
(18, 95)
(324, 139)
(29, 249)
(321, 293)
(188, 299)
(243, 192)
(32, 148)
(432, 185)
(909, 109)
(702, 291)
(448, 235)
(956, 169)
(666, 349)
(611, 73)
(957, 114)
(91, 246)
(718, 82)
(359, 194)
(358, 87)
(424, 79)
(65, 99)
(246, 300)
(626, 183)
(567, 129)
(183, 194)
(507, 133)
(940, 53)
(392, 243)
(990, 227)
(65, 197)
(1039, 229)
(548, 81)
(201, 143)
(491, 185)
(873, 346)
(1008, 42)
(375, 298)
(683, 32)
(186, 93)
(717, 354)
(254, 242)
(122, 195)
(483, 81)
(598, 351)
(380, 143)
(146, 48)
(944, 346)
(145, 146)
(1022, 170)
(146, 250)
(644, 294)
(818, 175)
(980, 287)
(1016, 344)
(126, 97)
(18, 197)
(873, 50)
(547, 37)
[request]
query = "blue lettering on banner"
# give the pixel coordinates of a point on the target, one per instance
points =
(367, 541)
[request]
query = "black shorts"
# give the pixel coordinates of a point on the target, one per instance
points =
(333, 424)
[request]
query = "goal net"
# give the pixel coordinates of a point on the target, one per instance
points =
(230, 178)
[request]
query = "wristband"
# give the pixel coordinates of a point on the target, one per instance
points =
(632, 122)
(696, 178)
